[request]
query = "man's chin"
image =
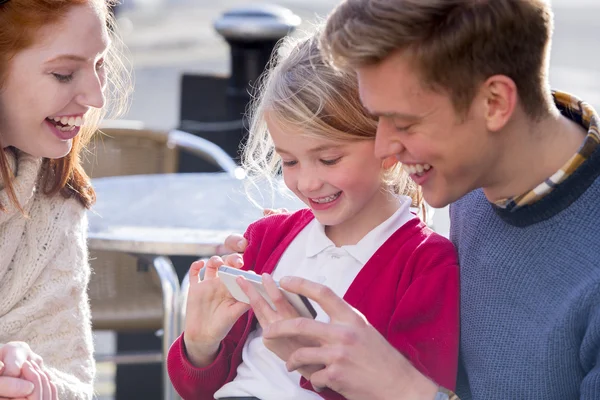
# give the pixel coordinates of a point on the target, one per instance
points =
(437, 199)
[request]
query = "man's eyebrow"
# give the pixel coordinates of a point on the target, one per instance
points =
(394, 114)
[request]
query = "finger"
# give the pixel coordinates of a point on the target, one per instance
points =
(15, 387)
(333, 305)
(30, 373)
(308, 330)
(54, 391)
(274, 211)
(321, 379)
(283, 307)
(263, 311)
(14, 359)
(44, 380)
(1, 367)
(212, 266)
(195, 271)
(234, 243)
(234, 260)
(308, 356)
(239, 308)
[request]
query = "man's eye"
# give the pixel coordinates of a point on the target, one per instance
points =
(403, 128)
(63, 78)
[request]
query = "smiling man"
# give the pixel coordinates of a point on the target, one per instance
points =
(461, 91)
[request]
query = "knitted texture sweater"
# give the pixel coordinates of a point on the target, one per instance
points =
(44, 273)
(530, 293)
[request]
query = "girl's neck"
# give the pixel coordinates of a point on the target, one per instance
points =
(383, 205)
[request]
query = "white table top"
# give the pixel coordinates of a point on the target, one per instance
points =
(173, 214)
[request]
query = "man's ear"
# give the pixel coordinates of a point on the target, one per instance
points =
(389, 162)
(500, 96)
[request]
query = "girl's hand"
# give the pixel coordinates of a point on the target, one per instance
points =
(20, 362)
(211, 312)
(282, 347)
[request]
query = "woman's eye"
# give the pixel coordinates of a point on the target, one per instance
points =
(63, 78)
(289, 163)
(331, 162)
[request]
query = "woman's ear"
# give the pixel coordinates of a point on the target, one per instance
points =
(389, 162)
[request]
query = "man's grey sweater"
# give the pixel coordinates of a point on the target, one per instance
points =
(530, 293)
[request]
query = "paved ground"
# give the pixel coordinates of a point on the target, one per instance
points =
(169, 37)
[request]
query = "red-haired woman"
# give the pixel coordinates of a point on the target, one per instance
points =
(56, 59)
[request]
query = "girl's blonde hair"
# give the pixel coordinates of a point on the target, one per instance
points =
(302, 91)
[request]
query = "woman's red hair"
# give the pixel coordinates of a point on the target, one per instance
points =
(20, 21)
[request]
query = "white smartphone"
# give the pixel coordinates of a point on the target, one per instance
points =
(228, 276)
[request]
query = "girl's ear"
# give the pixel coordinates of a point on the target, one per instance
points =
(389, 162)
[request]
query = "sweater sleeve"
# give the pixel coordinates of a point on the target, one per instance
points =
(193, 383)
(54, 316)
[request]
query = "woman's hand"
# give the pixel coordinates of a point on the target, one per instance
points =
(282, 347)
(211, 312)
(21, 364)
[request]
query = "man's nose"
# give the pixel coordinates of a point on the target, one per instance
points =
(387, 141)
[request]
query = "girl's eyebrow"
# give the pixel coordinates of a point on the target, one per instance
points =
(325, 147)
(314, 149)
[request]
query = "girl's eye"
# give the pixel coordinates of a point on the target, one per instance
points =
(289, 163)
(331, 162)
(63, 78)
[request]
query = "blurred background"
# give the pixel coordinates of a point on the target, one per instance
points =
(169, 38)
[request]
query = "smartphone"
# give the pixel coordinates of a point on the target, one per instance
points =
(228, 276)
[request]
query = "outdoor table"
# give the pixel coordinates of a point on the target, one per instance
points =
(164, 215)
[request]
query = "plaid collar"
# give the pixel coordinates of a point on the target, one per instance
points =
(582, 113)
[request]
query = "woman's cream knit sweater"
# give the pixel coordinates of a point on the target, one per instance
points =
(44, 273)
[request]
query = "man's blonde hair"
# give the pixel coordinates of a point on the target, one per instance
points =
(302, 92)
(456, 44)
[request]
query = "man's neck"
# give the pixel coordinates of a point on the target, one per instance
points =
(532, 152)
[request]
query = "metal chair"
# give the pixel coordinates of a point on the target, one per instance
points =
(129, 292)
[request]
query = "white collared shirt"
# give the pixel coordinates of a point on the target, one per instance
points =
(313, 256)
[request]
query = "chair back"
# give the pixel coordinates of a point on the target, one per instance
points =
(129, 150)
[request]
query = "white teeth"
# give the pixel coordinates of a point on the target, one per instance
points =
(70, 122)
(416, 169)
(327, 199)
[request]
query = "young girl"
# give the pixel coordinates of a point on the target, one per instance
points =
(357, 236)
(56, 59)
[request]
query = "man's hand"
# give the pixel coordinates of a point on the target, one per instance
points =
(282, 347)
(359, 362)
